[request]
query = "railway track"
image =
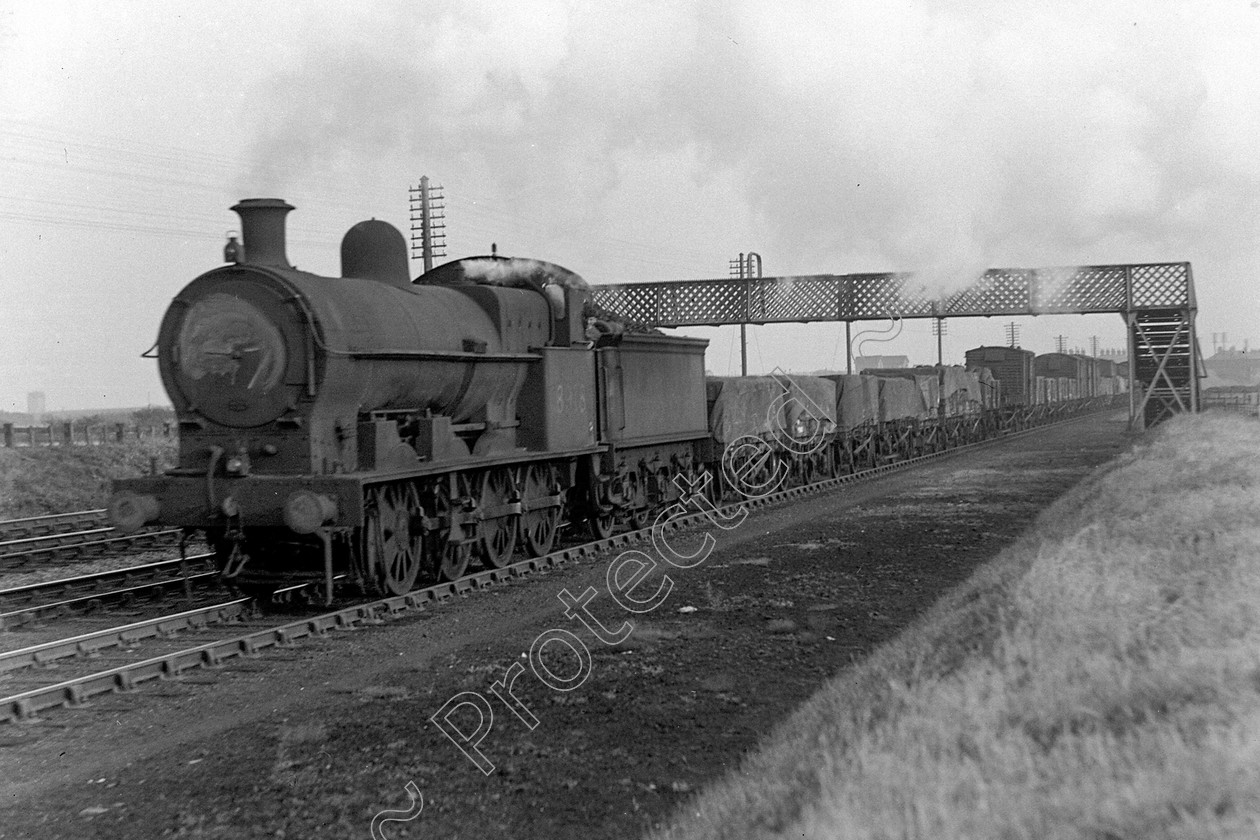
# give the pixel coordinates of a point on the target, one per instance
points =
(42, 602)
(71, 536)
(116, 658)
(67, 672)
(37, 526)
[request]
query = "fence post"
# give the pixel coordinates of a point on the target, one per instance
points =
(8, 435)
(30, 434)
(52, 440)
(120, 430)
(67, 433)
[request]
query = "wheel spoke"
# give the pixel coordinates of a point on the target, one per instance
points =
(392, 552)
(538, 524)
(447, 560)
(498, 533)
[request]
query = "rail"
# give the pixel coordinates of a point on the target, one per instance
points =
(33, 526)
(76, 544)
(23, 605)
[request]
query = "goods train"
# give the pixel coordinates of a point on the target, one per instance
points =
(384, 430)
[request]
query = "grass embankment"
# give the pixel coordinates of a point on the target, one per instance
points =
(1100, 679)
(56, 479)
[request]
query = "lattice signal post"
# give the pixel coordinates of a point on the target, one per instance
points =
(1155, 299)
(428, 222)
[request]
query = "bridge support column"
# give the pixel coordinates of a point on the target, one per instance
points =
(1163, 365)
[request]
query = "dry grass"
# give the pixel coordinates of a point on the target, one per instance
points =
(1100, 679)
(42, 479)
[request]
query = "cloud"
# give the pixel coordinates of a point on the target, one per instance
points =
(937, 137)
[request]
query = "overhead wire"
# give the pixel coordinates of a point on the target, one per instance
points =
(147, 171)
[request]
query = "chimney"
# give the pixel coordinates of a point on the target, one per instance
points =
(262, 229)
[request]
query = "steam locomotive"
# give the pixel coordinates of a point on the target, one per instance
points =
(388, 430)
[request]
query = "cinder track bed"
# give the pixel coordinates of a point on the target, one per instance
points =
(318, 738)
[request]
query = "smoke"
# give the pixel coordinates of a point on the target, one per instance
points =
(515, 271)
(936, 137)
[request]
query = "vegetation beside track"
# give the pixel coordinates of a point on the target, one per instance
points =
(40, 480)
(1098, 679)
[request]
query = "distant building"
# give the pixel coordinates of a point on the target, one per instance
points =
(36, 405)
(1234, 366)
(861, 363)
(1119, 356)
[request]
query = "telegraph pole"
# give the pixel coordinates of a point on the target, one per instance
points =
(742, 268)
(428, 220)
(848, 347)
(737, 272)
(939, 329)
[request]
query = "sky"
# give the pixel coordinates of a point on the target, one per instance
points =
(626, 141)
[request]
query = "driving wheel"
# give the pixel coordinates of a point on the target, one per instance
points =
(393, 551)
(498, 526)
(538, 523)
